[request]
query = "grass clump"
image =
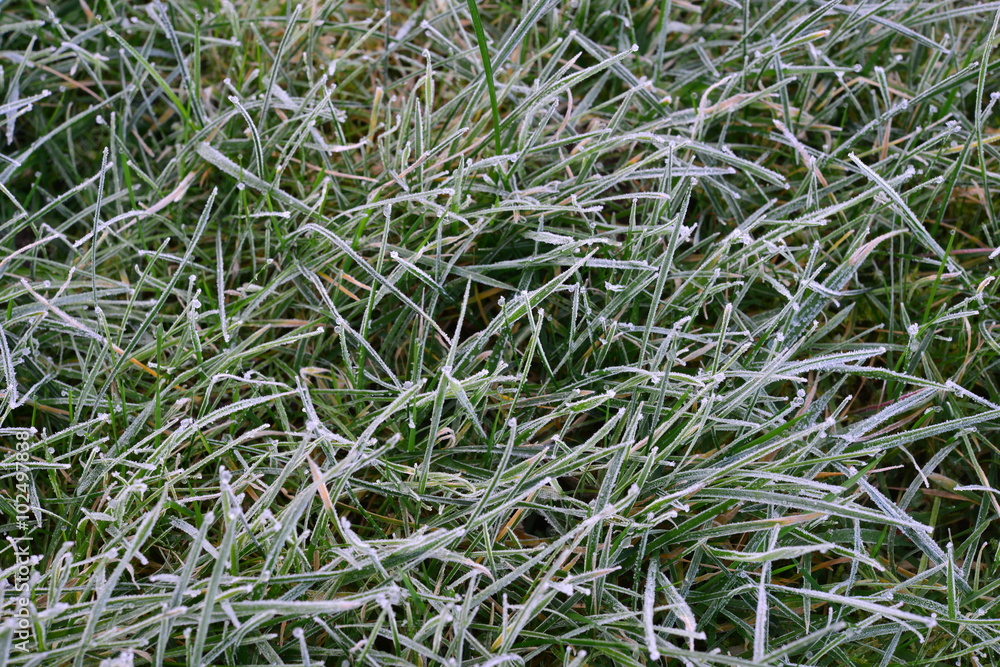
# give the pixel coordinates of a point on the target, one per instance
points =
(554, 334)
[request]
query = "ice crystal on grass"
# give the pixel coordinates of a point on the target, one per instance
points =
(480, 334)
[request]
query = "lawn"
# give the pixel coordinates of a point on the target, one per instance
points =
(562, 333)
